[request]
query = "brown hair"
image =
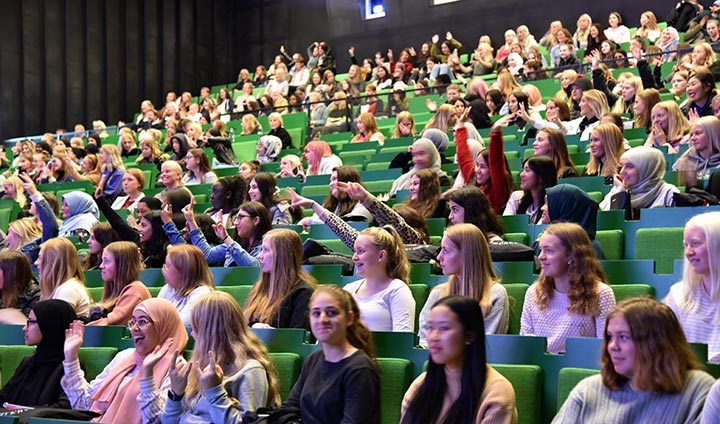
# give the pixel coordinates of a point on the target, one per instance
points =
(357, 333)
(128, 264)
(195, 271)
(428, 195)
(560, 156)
(17, 276)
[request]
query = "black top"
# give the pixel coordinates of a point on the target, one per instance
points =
(294, 309)
(283, 135)
(341, 392)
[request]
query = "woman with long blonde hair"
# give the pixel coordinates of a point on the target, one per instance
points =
(280, 297)
(232, 373)
(404, 125)
(606, 147)
(13, 187)
(669, 127)
(21, 236)
(465, 259)
(111, 172)
(61, 275)
(649, 28)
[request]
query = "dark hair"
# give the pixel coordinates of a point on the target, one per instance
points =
(413, 219)
(17, 274)
(155, 250)
(266, 184)
(344, 205)
(522, 99)
(706, 79)
(183, 145)
(152, 202)
(205, 224)
(254, 209)
(478, 210)
(546, 172)
(425, 405)
(497, 98)
(53, 202)
(104, 234)
(236, 186)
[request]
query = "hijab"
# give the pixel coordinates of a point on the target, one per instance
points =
(671, 44)
(272, 145)
(650, 164)
(120, 403)
(426, 145)
(36, 381)
(84, 213)
(568, 203)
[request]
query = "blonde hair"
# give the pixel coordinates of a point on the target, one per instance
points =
(114, 160)
(613, 144)
(443, 119)
(128, 264)
(219, 326)
(20, 197)
(267, 294)
(404, 116)
(597, 102)
(194, 271)
(27, 229)
(386, 238)
(59, 264)
(678, 124)
(620, 105)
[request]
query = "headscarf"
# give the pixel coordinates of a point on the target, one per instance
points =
(84, 213)
(30, 384)
(184, 143)
(121, 403)
(403, 182)
(272, 145)
(439, 139)
(650, 164)
(518, 63)
(671, 44)
(568, 203)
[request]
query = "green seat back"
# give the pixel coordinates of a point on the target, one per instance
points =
(395, 378)
(94, 359)
(96, 293)
(627, 291)
(420, 294)
(325, 274)
(93, 278)
(239, 293)
(235, 276)
(527, 383)
(10, 358)
(521, 238)
(516, 299)
(287, 366)
(663, 245)
(612, 242)
(568, 379)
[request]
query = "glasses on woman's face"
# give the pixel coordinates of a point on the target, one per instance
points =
(141, 323)
(31, 321)
(240, 216)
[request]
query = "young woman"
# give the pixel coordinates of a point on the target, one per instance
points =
(263, 189)
(648, 371)
(492, 172)
(538, 174)
(61, 275)
(617, 32)
(320, 158)
(424, 156)
(233, 372)
(459, 386)
(465, 259)
(36, 380)
(339, 382)
(704, 154)
(118, 392)
(250, 125)
(291, 166)
(593, 106)
(150, 152)
(338, 202)
(276, 129)
(120, 269)
(128, 144)
(642, 107)
(102, 234)
(226, 195)
(383, 295)
(111, 171)
(268, 148)
(179, 145)
(606, 147)
(187, 278)
(700, 91)
(24, 235)
(649, 28)
(624, 103)
(550, 142)
(425, 195)
(13, 187)
(669, 126)
(404, 125)
(280, 297)
(641, 173)
(494, 99)
(198, 168)
(367, 130)
(249, 169)
(571, 298)
(171, 179)
(693, 298)
(133, 183)
(19, 290)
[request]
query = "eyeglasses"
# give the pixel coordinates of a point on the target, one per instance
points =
(141, 323)
(239, 217)
(31, 321)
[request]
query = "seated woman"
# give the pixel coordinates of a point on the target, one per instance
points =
(263, 189)
(459, 385)
(101, 235)
(645, 101)
(568, 203)
(249, 169)
(24, 235)
(338, 202)
(280, 297)
(226, 195)
(36, 380)
(123, 291)
(339, 382)
(79, 211)
(425, 195)
(550, 142)
(606, 147)
(465, 259)
(700, 91)
(538, 174)
(150, 152)
(404, 125)
(13, 187)
(703, 156)
(424, 156)
(669, 127)
(133, 182)
(641, 174)
(234, 373)
(320, 158)
(367, 130)
(268, 148)
(179, 147)
(593, 105)
(187, 278)
(571, 298)
(276, 128)
(291, 166)
(198, 168)
(128, 143)
(491, 170)
(692, 298)
(61, 275)
(648, 371)
(383, 295)
(133, 387)
(171, 179)
(19, 290)
(111, 172)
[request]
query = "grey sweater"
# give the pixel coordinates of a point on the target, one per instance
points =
(591, 402)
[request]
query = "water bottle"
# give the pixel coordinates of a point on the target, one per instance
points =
(232, 135)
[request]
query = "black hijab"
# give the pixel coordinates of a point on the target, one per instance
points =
(36, 381)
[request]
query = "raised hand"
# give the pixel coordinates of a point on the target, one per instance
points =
(297, 200)
(74, 337)
(179, 373)
(28, 184)
(412, 51)
(448, 36)
(435, 38)
(282, 50)
(390, 55)
(157, 354)
(219, 228)
(166, 213)
(211, 375)
(522, 113)
(189, 210)
(356, 191)
(692, 116)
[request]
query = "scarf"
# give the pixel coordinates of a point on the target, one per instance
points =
(403, 181)
(84, 213)
(650, 165)
(568, 203)
(272, 145)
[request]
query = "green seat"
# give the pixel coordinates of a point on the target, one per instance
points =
(325, 274)
(93, 278)
(568, 379)
(422, 273)
(376, 166)
(320, 190)
(612, 242)
(117, 336)
(527, 383)
(235, 276)
(226, 171)
(10, 358)
(287, 366)
(663, 245)
(335, 245)
(322, 231)
(515, 272)
(93, 360)
(11, 334)
(379, 186)
(627, 291)
(395, 378)
(239, 293)
(96, 293)
(436, 226)
(283, 339)
(521, 238)
(152, 277)
(420, 294)
(516, 299)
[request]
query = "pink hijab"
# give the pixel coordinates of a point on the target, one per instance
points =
(120, 404)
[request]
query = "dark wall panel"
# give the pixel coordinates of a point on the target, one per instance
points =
(75, 75)
(54, 29)
(11, 61)
(33, 61)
